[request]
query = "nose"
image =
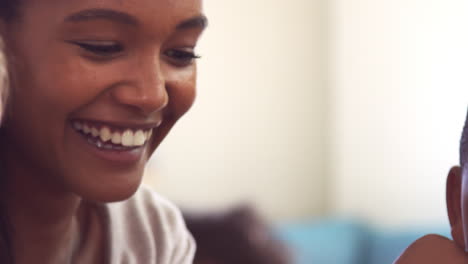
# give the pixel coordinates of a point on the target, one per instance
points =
(144, 89)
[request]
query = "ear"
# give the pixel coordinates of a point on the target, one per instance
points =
(453, 196)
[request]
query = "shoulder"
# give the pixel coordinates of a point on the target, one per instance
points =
(151, 226)
(432, 249)
(154, 207)
(147, 208)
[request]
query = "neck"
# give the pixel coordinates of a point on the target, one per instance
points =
(43, 216)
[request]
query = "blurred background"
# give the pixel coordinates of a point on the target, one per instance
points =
(337, 119)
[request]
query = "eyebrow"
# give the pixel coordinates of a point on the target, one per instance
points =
(195, 22)
(107, 14)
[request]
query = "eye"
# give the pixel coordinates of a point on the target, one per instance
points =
(103, 49)
(180, 57)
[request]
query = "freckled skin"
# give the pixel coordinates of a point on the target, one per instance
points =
(54, 81)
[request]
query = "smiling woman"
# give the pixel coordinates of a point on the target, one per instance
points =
(95, 88)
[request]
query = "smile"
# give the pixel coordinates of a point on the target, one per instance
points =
(113, 138)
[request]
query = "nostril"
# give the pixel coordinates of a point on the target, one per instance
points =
(155, 103)
(144, 100)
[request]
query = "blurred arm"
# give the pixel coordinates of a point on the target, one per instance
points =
(433, 249)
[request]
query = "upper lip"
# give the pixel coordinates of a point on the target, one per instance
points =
(119, 124)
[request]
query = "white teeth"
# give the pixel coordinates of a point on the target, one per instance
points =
(127, 138)
(105, 134)
(116, 138)
(94, 132)
(86, 129)
(139, 138)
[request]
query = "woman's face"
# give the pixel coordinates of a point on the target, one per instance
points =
(97, 85)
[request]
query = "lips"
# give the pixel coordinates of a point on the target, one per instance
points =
(105, 136)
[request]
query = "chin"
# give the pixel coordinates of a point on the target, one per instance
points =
(107, 187)
(102, 194)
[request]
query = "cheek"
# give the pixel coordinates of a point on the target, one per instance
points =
(181, 99)
(71, 85)
(181, 90)
(55, 87)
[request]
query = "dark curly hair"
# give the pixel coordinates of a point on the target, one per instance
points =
(8, 12)
(464, 144)
(9, 9)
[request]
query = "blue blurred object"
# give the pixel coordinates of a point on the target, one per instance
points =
(338, 241)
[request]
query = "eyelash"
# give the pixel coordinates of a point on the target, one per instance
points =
(181, 57)
(178, 57)
(101, 49)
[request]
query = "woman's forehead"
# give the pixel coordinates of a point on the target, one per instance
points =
(117, 3)
(167, 12)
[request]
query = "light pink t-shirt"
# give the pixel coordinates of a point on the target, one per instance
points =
(146, 229)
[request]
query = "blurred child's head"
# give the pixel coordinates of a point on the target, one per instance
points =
(457, 194)
(237, 236)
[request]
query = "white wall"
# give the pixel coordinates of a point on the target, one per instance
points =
(258, 127)
(309, 107)
(399, 98)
